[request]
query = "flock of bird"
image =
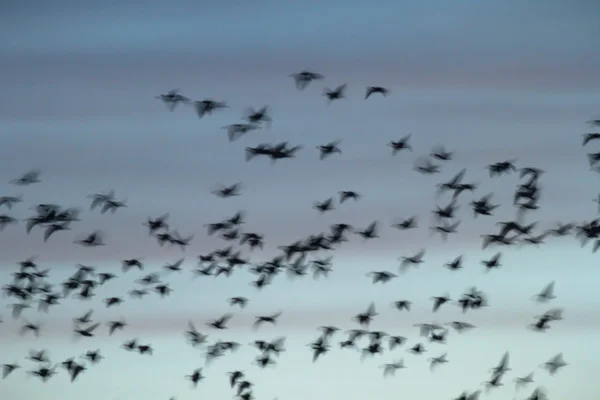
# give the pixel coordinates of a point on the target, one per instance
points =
(31, 285)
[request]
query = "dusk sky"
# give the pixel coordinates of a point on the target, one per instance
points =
(489, 80)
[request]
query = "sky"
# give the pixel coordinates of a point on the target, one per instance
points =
(491, 81)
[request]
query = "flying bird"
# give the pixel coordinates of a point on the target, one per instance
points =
(376, 89)
(304, 78)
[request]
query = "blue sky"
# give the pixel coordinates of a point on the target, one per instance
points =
(489, 80)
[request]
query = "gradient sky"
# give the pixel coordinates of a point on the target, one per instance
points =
(490, 80)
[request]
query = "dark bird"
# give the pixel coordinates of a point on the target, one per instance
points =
(112, 301)
(99, 199)
(28, 178)
(335, 94)
(348, 194)
(196, 338)
(403, 224)
(366, 317)
(412, 260)
(391, 368)
(303, 78)
(494, 382)
(381, 276)
(94, 239)
(145, 349)
(493, 262)
(440, 153)
(546, 294)
(157, 224)
(172, 99)
(588, 137)
(207, 106)
(319, 348)
(455, 264)
(44, 373)
(402, 305)
(10, 201)
(126, 265)
(376, 89)
(174, 266)
(444, 229)
(113, 326)
(501, 168)
(502, 366)
(324, 206)
(234, 377)
(220, 323)
(438, 301)
(113, 205)
(258, 116)
(84, 319)
(6, 220)
(328, 149)
(30, 327)
(235, 131)
(417, 349)
(594, 122)
(555, 363)
(55, 227)
(130, 345)
(370, 232)
(425, 166)
(271, 319)
(461, 326)
(75, 370)
(399, 145)
(523, 381)
(435, 361)
(195, 376)
(7, 369)
(238, 301)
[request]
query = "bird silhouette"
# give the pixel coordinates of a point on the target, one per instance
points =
(376, 89)
(207, 106)
(172, 99)
(304, 78)
(328, 149)
(28, 178)
(335, 94)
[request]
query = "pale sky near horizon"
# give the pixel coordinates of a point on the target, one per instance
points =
(491, 81)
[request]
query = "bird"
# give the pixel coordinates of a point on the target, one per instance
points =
(594, 122)
(328, 149)
(546, 294)
(208, 106)
(236, 131)
(399, 145)
(172, 99)
(435, 361)
(335, 94)
(554, 364)
(376, 89)
(588, 137)
(303, 78)
(523, 381)
(28, 178)
(7, 369)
